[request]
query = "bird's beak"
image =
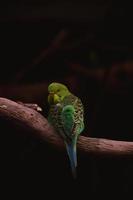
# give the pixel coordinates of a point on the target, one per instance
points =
(53, 98)
(51, 92)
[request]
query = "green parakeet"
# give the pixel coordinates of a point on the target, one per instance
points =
(66, 114)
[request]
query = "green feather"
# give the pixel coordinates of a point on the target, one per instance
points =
(67, 116)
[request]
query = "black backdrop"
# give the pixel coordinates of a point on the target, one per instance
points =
(99, 35)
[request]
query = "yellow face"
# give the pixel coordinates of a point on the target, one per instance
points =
(57, 92)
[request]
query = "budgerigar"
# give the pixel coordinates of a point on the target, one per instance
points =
(66, 114)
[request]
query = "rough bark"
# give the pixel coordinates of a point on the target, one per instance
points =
(38, 125)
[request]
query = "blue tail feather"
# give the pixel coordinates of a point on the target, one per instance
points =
(71, 150)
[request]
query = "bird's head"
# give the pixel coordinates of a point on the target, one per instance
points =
(57, 92)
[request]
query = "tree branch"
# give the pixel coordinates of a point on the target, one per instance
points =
(35, 122)
(33, 106)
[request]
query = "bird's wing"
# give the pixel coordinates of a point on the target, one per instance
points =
(68, 122)
(67, 117)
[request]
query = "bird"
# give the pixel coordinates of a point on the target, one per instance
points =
(66, 115)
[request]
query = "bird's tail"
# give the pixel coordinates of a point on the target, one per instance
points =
(72, 154)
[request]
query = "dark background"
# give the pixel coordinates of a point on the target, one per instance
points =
(89, 47)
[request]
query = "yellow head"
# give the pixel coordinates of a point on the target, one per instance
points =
(57, 92)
